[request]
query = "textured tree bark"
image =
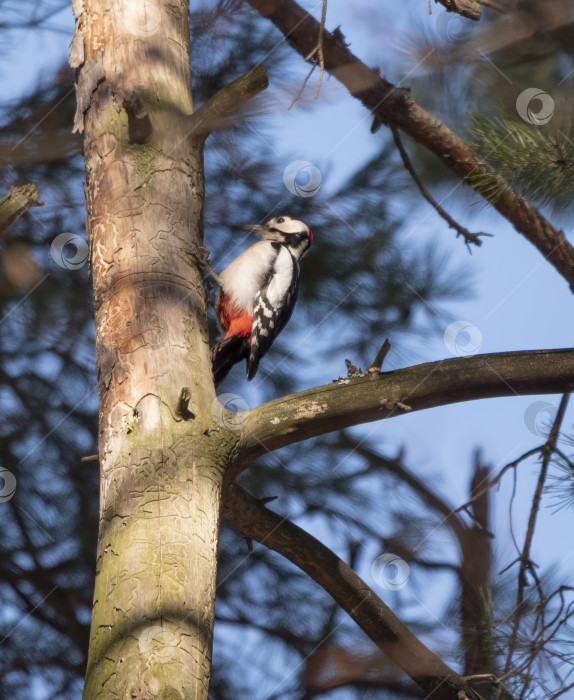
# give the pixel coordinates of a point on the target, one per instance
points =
(161, 480)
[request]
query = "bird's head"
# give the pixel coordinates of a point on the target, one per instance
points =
(293, 233)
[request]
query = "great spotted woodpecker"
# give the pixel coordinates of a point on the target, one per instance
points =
(258, 292)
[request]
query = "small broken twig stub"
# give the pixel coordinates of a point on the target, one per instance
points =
(215, 113)
(377, 365)
(17, 202)
(465, 8)
(183, 402)
(386, 404)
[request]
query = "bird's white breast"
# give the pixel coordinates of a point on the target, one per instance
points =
(246, 274)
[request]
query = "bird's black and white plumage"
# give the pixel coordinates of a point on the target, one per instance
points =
(258, 292)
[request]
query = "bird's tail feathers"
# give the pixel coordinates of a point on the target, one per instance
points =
(252, 361)
(225, 354)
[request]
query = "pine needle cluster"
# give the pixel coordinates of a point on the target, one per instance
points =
(537, 160)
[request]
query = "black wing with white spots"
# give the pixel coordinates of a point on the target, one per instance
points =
(273, 306)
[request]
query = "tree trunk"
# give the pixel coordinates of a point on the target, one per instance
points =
(161, 479)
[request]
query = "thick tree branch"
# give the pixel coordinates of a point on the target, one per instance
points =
(364, 399)
(17, 202)
(391, 105)
(40, 148)
(403, 648)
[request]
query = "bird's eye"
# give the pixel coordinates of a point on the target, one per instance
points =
(280, 220)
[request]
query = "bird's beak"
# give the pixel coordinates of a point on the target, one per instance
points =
(257, 229)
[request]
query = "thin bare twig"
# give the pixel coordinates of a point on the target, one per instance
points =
(497, 478)
(469, 237)
(300, 92)
(320, 61)
(319, 49)
(561, 692)
(526, 563)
